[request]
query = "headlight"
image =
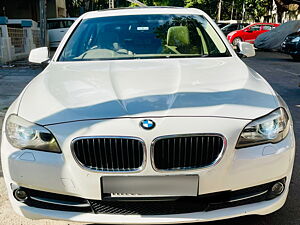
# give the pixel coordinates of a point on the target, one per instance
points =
(23, 134)
(271, 128)
(297, 39)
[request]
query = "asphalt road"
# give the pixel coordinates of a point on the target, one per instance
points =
(280, 71)
(284, 76)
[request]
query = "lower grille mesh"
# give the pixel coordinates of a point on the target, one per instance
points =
(147, 207)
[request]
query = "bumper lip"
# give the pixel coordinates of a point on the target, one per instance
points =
(260, 208)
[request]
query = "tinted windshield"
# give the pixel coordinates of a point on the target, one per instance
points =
(230, 27)
(143, 36)
(57, 24)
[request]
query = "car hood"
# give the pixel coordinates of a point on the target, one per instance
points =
(233, 32)
(218, 87)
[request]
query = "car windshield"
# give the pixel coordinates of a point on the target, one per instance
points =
(230, 26)
(143, 36)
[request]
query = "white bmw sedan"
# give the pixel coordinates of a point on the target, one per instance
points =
(147, 116)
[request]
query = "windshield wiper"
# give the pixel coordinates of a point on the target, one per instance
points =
(218, 55)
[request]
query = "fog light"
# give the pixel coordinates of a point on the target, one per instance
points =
(20, 195)
(277, 188)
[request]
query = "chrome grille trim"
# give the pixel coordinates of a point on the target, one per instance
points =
(122, 138)
(250, 196)
(60, 202)
(200, 135)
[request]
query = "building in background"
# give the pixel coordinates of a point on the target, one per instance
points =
(29, 9)
(19, 30)
(282, 11)
(56, 8)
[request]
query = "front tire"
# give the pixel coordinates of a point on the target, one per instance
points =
(236, 41)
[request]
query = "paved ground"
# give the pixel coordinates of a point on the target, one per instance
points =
(278, 69)
(12, 82)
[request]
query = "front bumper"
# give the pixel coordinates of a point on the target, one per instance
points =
(290, 48)
(260, 208)
(61, 174)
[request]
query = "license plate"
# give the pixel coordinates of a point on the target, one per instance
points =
(150, 186)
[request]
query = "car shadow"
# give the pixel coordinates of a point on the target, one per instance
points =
(153, 103)
(270, 56)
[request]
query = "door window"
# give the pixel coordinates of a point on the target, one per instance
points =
(268, 27)
(67, 23)
(53, 24)
(241, 26)
(255, 28)
(57, 24)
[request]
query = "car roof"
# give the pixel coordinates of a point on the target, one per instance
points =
(264, 24)
(61, 18)
(141, 11)
(253, 24)
(237, 23)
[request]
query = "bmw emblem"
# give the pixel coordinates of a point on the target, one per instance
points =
(147, 124)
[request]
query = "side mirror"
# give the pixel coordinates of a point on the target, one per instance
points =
(39, 55)
(245, 49)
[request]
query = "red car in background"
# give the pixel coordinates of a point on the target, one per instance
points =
(249, 33)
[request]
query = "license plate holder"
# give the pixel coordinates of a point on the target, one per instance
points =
(149, 186)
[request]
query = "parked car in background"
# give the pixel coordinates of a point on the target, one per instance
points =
(273, 39)
(232, 27)
(147, 116)
(250, 33)
(57, 27)
(291, 45)
(221, 24)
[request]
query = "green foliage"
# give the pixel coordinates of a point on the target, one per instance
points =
(257, 8)
(77, 7)
(179, 3)
(208, 6)
(254, 8)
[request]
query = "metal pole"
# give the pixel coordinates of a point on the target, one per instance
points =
(219, 10)
(111, 4)
(244, 10)
(43, 22)
(232, 10)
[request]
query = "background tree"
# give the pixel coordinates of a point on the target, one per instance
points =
(257, 8)
(254, 9)
(208, 6)
(287, 5)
